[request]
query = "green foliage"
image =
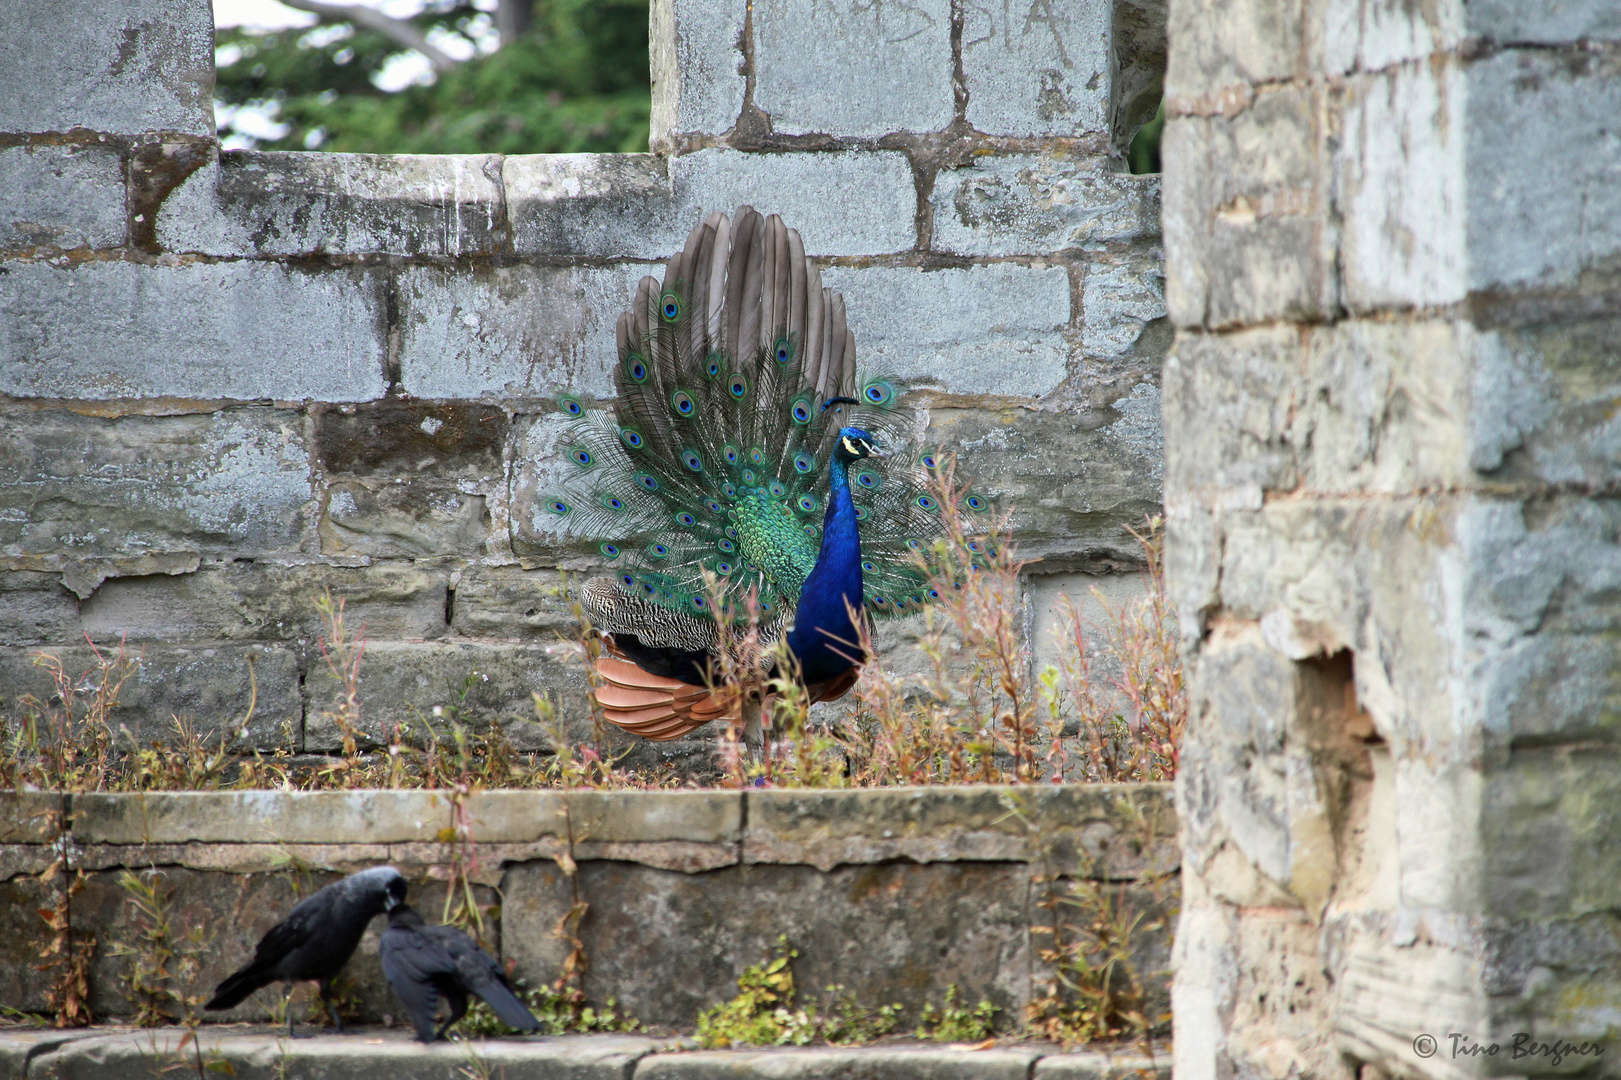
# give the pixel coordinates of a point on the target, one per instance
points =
(952, 1022)
(764, 1012)
(1143, 152)
(577, 81)
(557, 1010)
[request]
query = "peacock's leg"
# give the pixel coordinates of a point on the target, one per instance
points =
(753, 733)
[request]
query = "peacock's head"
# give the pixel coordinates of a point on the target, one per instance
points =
(855, 444)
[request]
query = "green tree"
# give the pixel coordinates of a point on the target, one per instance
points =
(569, 76)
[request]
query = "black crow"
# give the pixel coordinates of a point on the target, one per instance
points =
(316, 939)
(422, 962)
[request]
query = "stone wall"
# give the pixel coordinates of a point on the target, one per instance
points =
(1393, 240)
(229, 381)
(896, 894)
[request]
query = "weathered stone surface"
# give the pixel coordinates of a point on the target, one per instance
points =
(1360, 406)
(207, 687)
(1073, 479)
(835, 68)
(128, 67)
(697, 67)
(1532, 226)
(890, 932)
(378, 1055)
(62, 196)
(1401, 131)
(642, 207)
(1244, 231)
(36, 609)
(1112, 830)
(266, 600)
(539, 466)
(1084, 1064)
(1217, 46)
(932, 328)
(1119, 298)
(20, 1046)
(511, 602)
(513, 331)
(408, 438)
(1568, 22)
(1039, 71)
(473, 683)
(1030, 204)
(25, 815)
(390, 519)
(242, 330)
(804, 1063)
(257, 203)
(235, 481)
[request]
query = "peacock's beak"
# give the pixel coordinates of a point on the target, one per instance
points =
(873, 451)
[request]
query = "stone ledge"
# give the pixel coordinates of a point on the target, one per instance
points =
(390, 1054)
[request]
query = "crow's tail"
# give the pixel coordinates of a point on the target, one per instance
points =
(235, 989)
(506, 1005)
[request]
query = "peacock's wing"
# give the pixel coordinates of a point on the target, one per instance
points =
(713, 459)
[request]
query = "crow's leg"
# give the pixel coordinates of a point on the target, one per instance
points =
(331, 1006)
(458, 1009)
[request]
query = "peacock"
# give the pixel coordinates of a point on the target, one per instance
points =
(744, 466)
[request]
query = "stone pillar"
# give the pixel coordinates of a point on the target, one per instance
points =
(1393, 233)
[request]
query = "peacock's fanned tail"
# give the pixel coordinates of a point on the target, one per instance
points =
(713, 459)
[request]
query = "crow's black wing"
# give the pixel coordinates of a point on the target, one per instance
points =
(481, 974)
(411, 963)
(279, 942)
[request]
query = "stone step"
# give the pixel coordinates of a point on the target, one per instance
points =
(390, 1054)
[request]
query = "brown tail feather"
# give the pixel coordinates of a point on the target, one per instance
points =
(660, 708)
(654, 706)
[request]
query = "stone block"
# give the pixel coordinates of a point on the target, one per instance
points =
(1246, 214)
(1562, 24)
(235, 482)
(381, 1055)
(475, 684)
(1110, 830)
(1035, 204)
(512, 331)
(1401, 188)
(27, 815)
(412, 439)
(1548, 830)
(696, 54)
(267, 600)
(539, 467)
(1231, 44)
(1358, 406)
(1073, 478)
(124, 67)
(62, 196)
(1083, 1064)
(1096, 599)
(1041, 69)
(208, 688)
(852, 68)
(241, 330)
(642, 207)
(396, 519)
(1538, 393)
(36, 609)
(1119, 298)
(511, 602)
(275, 203)
(806, 1063)
(1531, 226)
(994, 329)
(18, 1048)
(870, 928)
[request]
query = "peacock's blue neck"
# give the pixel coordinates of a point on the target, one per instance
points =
(823, 638)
